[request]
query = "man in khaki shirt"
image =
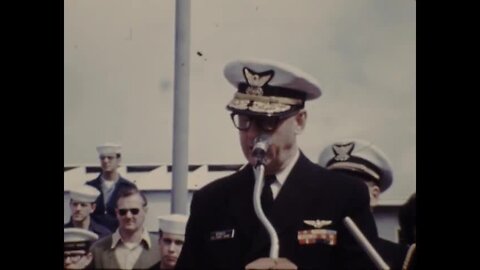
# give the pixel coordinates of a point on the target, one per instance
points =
(130, 246)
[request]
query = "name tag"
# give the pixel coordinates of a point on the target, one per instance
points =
(221, 235)
(309, 237)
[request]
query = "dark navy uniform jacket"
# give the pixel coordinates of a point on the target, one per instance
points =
(106, 216)
(392, 253)
(310, 192)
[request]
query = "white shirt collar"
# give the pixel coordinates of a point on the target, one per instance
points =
(116, 238)
(282, 176)
(106, 185)
(109, 182)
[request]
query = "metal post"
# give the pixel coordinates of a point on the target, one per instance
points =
(181, 103)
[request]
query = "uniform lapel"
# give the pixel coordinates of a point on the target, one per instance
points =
(289, 206)
(249, 226)
(111, 204)
(293, 199)
(100, 207)
(241, 203)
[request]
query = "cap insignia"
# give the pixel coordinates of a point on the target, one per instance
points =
(256, 81)
(342, 152)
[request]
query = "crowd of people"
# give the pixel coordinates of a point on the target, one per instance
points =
(305, 202)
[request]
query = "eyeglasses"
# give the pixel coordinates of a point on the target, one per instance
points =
(106, 157)
(244, 122)
(74, 257)
(123, 211)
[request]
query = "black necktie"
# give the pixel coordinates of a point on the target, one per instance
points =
(267, 194)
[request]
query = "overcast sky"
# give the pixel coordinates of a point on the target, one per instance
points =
(119, 58)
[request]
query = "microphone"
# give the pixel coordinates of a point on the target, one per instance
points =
(262, 142)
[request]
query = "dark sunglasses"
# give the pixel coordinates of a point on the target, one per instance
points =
(123, 211)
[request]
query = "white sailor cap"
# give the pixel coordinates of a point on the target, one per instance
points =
(84, 193)
(269, 88)
(76, 239)
(360, 158)
(174, 223)
(109, 148)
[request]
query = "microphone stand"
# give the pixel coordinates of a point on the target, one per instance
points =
(257, 190)
(272, 262)
(365, 244)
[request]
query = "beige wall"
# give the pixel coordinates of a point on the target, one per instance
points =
(119, 74)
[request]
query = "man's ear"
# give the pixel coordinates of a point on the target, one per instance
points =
(374, 195)
(89, 257)
(301, 121)
(94, 205)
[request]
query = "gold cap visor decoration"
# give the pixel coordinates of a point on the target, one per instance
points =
(268, 88)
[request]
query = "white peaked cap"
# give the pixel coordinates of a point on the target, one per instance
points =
(268, 88)
(84, 193)
(77, 239)
(78, 235)
(358, 155)
(109, 148)
(174, 223)
(284, 75)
